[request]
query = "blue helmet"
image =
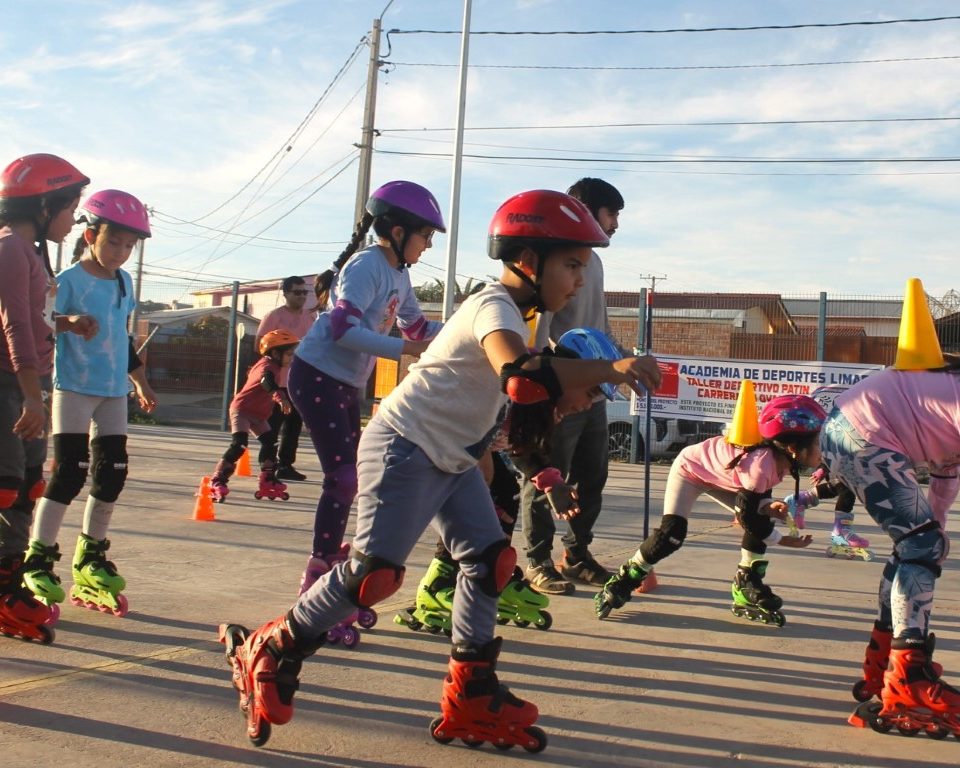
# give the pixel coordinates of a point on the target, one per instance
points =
(591, 344)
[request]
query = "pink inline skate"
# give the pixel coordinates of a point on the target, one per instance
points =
(270, 488)
(344, 632)
(845, 542)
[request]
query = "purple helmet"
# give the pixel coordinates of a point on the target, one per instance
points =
(791, 416)
(410, 198)
(591, 344)
(118, 208)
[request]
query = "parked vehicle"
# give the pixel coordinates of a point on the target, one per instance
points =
(669, 436)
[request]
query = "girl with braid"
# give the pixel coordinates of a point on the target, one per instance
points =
(370, 290)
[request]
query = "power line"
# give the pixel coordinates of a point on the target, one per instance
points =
(678, 68)
(680, 159)
(694, 124)
(171, 219)
(754, 28)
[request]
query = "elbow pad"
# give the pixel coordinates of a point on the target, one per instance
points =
(133, 359)
(269, 382)
(527, 387)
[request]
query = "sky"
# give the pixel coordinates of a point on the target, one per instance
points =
(236, 122)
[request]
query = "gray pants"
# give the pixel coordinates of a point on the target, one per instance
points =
(400, 492)
(21, 462)
(580, 446)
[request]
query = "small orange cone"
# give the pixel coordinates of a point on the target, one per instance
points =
(648, 584)
(745, 428)
(243, 464)
(918, 348)
(203, 509)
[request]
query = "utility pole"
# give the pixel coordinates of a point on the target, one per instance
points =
(450, 282)
(368, 132)
(135, 315)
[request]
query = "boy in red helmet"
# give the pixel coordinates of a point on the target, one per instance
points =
(740, 478)
(418, 463)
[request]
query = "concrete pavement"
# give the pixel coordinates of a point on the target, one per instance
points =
(672, 680)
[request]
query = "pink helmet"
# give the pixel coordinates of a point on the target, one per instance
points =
(118, 208)
(791, 416)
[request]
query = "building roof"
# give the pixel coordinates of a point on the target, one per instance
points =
(168, 316)
(865, 308)
(770, 303)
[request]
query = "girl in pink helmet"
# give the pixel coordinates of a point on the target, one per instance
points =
(741, 479)
(90, 405)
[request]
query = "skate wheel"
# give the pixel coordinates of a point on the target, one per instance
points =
(257, 495)
(350, 637)
(938, 732)
(871, 714)
(434, 724)
(285, 497)
(47, 634)
(262, 735)
(860, 692)
(433, 630)
(544, 622)
(906, 730)
(367, 618)
(521, 622)
(538, 739)
(122, 607)
(472, 743)
(502, 747)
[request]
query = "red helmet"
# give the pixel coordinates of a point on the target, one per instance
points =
(30, 181)
(274, 339)
(791, 416)
(542, 217)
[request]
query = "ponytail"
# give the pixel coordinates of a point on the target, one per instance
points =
(324, 282)
(78, 249)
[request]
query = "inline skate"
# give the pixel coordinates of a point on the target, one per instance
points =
(475, 708)
(266, 666)
(433, 611)
(617, 591)
(754, 600)
(914, 697)
(21, 614)
(221, 476)
(523, 605)
(270, 488)
(96, 583)
(39, 578)
(845, 542)
(344, 631)
(875, 661)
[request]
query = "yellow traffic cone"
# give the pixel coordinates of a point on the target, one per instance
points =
(918, 348)
(243, 464)
(745, 427)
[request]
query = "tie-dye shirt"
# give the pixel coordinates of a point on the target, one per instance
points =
(98, 366)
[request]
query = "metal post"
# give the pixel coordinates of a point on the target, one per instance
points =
(641, 345)
(137, 283)
(822, 328)
(59, 264)
(450, 283)
(646, 463)
(231, 356)
(367, 133)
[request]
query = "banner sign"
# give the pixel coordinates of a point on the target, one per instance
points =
(702, 389)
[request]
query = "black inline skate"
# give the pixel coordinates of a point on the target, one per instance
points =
(754, 600)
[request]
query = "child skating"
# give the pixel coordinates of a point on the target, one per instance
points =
(742, 479)
(418, 463)
(250, 411)
(91, 383)
(38, 196)
(369, 291)
(879, 432)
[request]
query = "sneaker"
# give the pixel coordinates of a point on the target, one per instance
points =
(545, 579)
(587, 570)
(289, 473)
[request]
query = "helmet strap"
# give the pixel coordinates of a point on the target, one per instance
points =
(535, 302)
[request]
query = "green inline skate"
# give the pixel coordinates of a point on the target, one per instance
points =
(754, 600)
(522, 605)
(38, 575)
(433, 611)
(96, 583)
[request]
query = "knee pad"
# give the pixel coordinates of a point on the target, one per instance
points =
(238, 444)
(375, 579)
(932, 543)
(71, 454)
(753, 543)
(341, 484)
(108, 467)
(666, 540)
(499, 560)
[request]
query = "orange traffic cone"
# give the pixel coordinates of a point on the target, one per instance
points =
(745, 428)
(648, 584)
(918, 348)
(203, 509)
(243, 464)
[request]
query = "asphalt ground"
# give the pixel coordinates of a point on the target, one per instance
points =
(674, 679)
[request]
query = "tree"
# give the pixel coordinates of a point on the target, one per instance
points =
(432, 292)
